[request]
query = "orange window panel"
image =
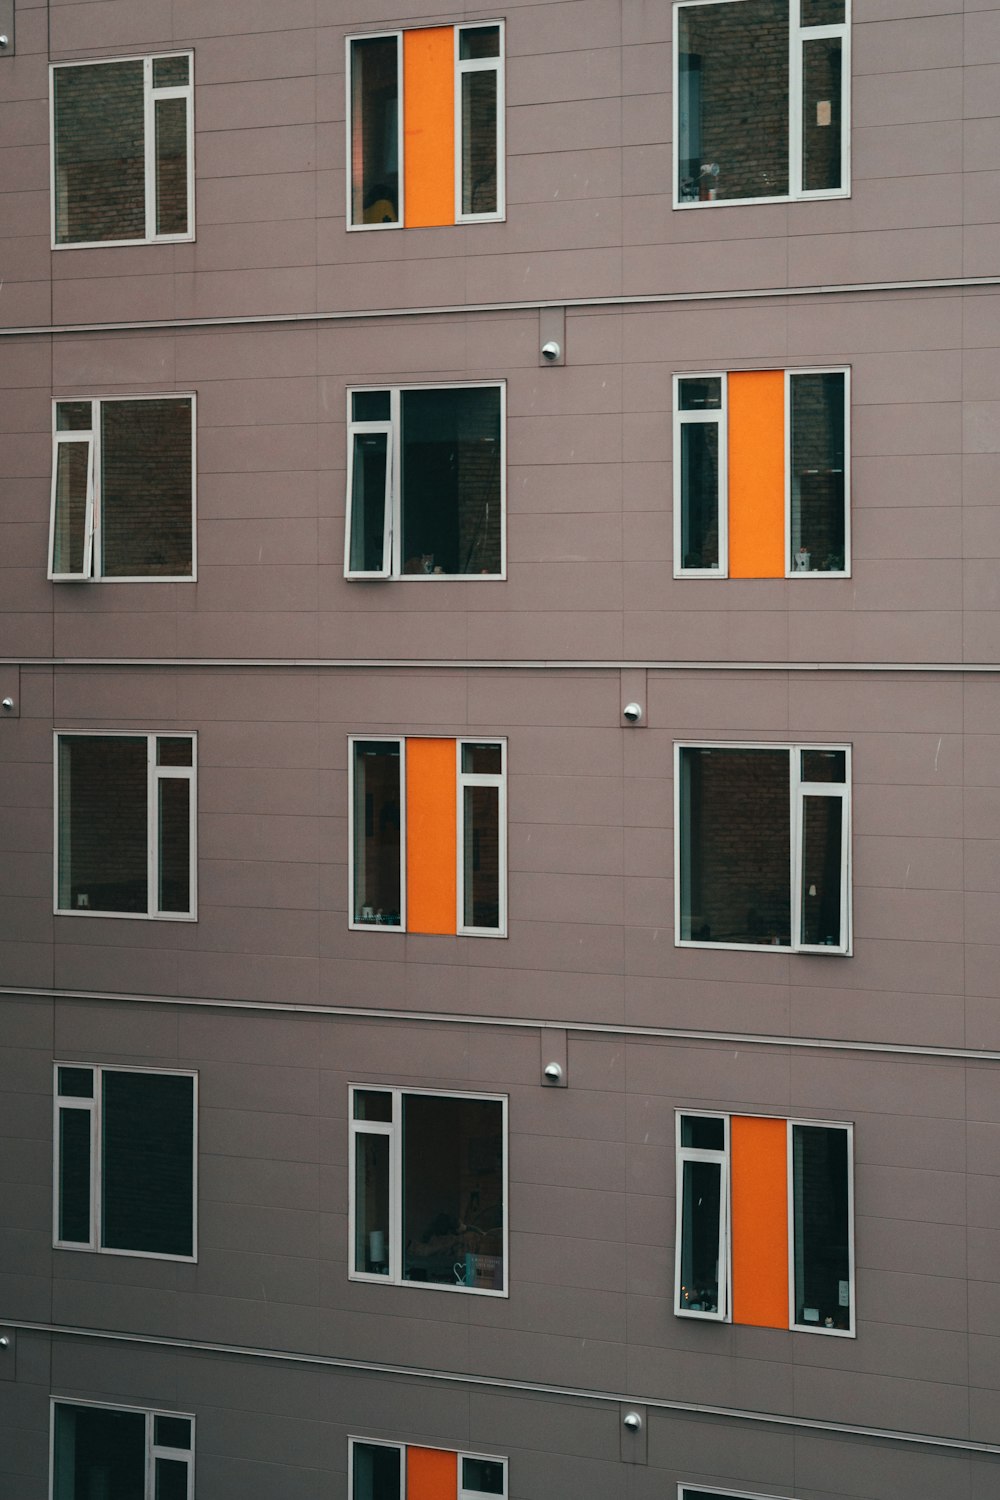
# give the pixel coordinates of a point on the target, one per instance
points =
(431, 1474)
(430, 835)
(756, 400)
(429, 126)
(759, 1198)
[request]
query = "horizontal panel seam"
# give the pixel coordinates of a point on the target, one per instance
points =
(464, 664)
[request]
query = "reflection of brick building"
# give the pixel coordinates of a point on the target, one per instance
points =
(480, 1293)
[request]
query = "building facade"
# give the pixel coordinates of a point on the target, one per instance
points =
(500, 727)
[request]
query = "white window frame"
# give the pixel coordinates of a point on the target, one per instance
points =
(394, 1130)
(373, 36)
(465, 779)
(154, 775)
(691, 1153)
(721, 1159)
(401, 1449)
(93, 1106)
(481, 65)
(797, 35)
(462, 779)
(837, 1333)
(150, 97)
(392, 544)
(720, 416)
(461, 65)
(798, 791)
(92, 525)
(153, 1450)
(379, 739)
(686, 1490)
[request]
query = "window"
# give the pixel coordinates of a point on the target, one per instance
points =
(425, 142)
(762, 100)
(425, 482)
(685, 1492)
(428, 1185)
(120, 1453)
(123, 151)
(763, 846)
(125, 825)
(449, 873)
(123, 477)
(124, 1169)
(761, 474)
(390, 1471)
(765, 1222)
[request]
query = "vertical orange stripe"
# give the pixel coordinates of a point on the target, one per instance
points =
(429, 126)
(431, 1474)
(759, 1197)
(757, 474)
(430, 835)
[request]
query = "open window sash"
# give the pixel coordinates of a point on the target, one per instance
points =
(369, 529)
(72, 520)
(702, 1195)
(821, 890)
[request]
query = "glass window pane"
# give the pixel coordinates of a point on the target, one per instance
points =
(818, 495)
(479, 142)
(822, 859)
(76, 1083)
(100, 175)
(147, 1162)
(482, 760)
(171, 166)
(699, 460)
(703, 1132)
(377, 846)
(174, 833)
(74, 416)
(371, 1207)
(820, 1174)
(451, 480)
(700, 1228)
(700, 392)
(102, 823)
(171, 1479)
(174, 750)
(368, 502)
(70, 531)
(377, 1472)
(479, 41)
(735, 846)
(146, 488)
(98, 1451)
(733, 100)
(172, 1432)
(373, 1104)
(170, 72)
(482, 1476)
(74, 1175)
(824, 765)
(453, 1191)
(822, 13)
(375, 131)
(822, 95)
(481, 863)
(370, 406)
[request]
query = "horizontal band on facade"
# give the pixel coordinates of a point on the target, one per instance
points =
(471, 664)
(516, 1023)
(529, 1387)
(638, 299)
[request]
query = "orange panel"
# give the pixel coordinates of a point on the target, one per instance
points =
(759, 1197)
(429, 126)
(757, 474)
(430, 835)
(431, 1474)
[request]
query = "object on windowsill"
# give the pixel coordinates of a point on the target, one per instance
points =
(802, 560)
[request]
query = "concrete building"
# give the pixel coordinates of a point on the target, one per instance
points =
(500, 728)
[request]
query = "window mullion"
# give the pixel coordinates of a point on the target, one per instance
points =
(396, 1190)
(395, 479)
(149, 146)
(152, 828)
(96, 1148)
